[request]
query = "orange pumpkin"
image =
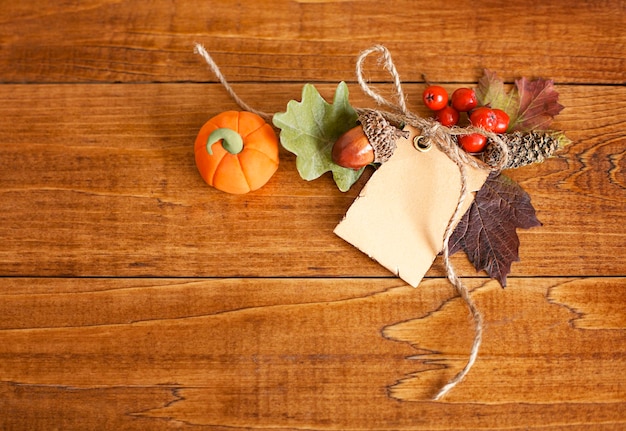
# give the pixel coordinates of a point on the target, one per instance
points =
(236, 152)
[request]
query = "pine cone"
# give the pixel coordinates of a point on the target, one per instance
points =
(381, 134)
(524, 148)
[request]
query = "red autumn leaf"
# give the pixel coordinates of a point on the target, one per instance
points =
(531, 105)
(538, 104)
(487, 232)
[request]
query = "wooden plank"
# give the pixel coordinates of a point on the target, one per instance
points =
(116, 41)
(99, 180)
(113, 191)
(307, 353)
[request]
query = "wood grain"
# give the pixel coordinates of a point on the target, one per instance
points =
(288, 353)
(100, 180)
(515, 369)
(598, 305)
(135, 297)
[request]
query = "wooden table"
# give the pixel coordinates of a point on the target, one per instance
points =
(135, 297)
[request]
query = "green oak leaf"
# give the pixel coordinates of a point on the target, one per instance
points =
(310, 128)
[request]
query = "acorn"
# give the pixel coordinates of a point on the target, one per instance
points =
(372, 141)
(353, 150)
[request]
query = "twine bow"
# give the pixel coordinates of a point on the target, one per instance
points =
(431, 130)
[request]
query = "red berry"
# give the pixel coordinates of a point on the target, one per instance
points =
(448, 116)
(464, 99)
(502, 121)
(473, 143)
(484, 117)
(435, 97)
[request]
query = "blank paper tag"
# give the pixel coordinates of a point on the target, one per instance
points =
(401, 215)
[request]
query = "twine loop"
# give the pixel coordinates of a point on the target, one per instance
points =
(387, 62)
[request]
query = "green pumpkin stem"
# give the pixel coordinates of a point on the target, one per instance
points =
(231, 140)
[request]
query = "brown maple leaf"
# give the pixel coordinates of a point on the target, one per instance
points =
(538, 104)
(487, 232)
(530, 104)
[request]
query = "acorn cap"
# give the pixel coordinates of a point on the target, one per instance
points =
(381, 134)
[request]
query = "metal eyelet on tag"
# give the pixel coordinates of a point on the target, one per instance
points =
(421, 143)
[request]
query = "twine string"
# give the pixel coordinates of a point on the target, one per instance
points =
(443, 137)
(200, 50)
(455, 280)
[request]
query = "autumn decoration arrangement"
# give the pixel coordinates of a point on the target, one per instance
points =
(478, 131)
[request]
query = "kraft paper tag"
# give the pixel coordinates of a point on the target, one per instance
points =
(400, 217)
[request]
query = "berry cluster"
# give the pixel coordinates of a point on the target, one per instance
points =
(447, 111)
